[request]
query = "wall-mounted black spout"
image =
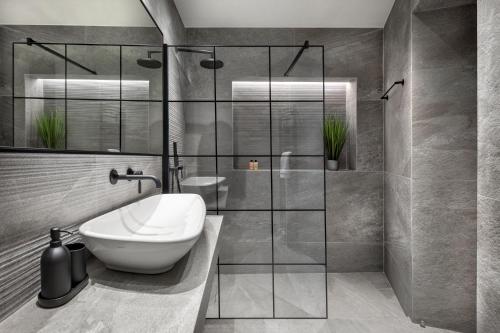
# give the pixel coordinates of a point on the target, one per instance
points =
(386, 95)
(114, 177)
(31, 42)
(297, 57)
(130, 171)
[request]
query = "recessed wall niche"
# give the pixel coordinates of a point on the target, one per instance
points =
(297, 122)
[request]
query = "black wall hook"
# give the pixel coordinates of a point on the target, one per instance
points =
(386, 95)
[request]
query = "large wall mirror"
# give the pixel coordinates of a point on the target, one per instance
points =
(80, 76)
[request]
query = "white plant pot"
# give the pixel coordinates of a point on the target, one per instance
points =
(332, 165)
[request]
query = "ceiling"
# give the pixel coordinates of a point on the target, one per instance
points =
(284, 13)
(128, 13)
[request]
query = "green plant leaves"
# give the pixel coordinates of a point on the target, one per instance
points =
(50, 128)
(335, 135)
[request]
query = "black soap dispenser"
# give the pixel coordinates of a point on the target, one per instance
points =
(55, 268)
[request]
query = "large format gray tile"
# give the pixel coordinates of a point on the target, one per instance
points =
(354, 206)
(488, 266)
(299, 237)
(446, 120)
(300, 291)
(354, 221)
(444, 165)
(246, 291)
(425, 5)
(247, 189)
(488, 253)
(398, 268)
(397, 237)
(444, 267)
(370, 136)
(397, 122)
(355, 256)
(358, 303)
(397, 130)
(397, 209)
(444, 168)
(298, 188)
(246, 238)
(439, 42)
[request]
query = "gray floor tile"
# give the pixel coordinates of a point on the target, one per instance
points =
(358, 303)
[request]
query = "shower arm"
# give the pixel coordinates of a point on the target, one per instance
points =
(297, 57)
(184, 49)
(31, 42)
(152, 52)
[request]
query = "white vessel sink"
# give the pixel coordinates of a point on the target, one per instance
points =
(148, 236)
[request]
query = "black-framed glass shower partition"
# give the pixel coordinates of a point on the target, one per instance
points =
(106, 100)
(249, 141)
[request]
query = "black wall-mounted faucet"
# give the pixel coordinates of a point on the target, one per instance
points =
(114, 177)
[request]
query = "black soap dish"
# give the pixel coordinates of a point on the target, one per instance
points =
(55, 302)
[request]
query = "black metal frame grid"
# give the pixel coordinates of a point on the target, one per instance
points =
(216, 156)
(65, 99)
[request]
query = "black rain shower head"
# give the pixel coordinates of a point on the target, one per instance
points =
(149, 62)
(209, 63)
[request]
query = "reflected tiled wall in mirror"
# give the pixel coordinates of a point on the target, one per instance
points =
(96, 97)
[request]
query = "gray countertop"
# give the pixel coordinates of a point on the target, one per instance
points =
(114, 301)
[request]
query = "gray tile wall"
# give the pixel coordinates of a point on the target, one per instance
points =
(349, 53)
(488, 242)
(397, 153)
(430, 164)
(43, 190)
(444, 149)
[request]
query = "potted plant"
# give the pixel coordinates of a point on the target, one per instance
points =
(334, 134)
(50, 128)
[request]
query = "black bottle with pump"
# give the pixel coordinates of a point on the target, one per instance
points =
(55, 268)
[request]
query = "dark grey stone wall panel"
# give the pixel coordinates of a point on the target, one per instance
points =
(444, 167)
(488, 242)
(397, 154)
(354, 221)
(397, 237)
(428, 5)
(430, 162)
(488, 275)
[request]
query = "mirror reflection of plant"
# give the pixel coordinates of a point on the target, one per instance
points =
(335, 135)
(50, 128)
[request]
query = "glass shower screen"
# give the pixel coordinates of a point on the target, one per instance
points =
(249, 141)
